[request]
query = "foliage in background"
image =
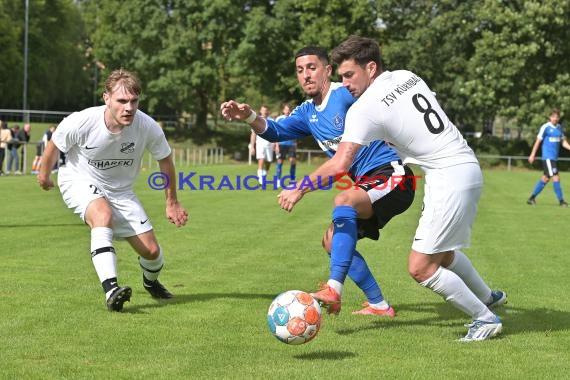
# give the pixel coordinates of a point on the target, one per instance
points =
(484, 59)
(494, 64)
(57, 79)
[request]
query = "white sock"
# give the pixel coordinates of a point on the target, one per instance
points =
(380, 305)
(450, 286)
(103, 254)
(462, 266)
(151, 268)
(260, 176)
(337, 286)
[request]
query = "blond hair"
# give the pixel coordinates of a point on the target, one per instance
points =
(128, 79)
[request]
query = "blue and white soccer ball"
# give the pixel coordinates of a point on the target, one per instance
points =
(294, 317)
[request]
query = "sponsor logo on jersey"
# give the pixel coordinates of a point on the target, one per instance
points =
(331, 144)
(127, 147)
(110, 163)
(314, 118)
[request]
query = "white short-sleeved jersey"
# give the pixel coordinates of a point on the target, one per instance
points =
(400, 109)
(113, 160)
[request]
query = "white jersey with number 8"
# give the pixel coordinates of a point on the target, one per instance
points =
(400, 109)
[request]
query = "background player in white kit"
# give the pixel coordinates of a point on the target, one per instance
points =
(262, 149)
(104, 147)
(399, 108)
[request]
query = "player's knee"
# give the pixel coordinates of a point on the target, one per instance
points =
(150, 252)
(421, 267)
(343, 199)
(99, 215)
(154, 250)
(416, 274)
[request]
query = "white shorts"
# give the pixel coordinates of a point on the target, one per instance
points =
(264, 152)
(449, 208)
(129, 217)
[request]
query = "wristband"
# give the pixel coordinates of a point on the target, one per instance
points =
(250, 119)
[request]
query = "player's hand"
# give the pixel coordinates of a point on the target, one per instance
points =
(232, 110)
(531, 159)
(288, 199)
(45, 182)
(177, 214)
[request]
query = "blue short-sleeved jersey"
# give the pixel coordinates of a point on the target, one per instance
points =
(325, 123)
(551, 136)
(285, 142)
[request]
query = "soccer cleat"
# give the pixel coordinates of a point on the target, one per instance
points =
(531, 202)
(563, 203)
(118, 298)
(499, 298)
(328, 297)
(156, 289)
(482, 330)
(369, 310)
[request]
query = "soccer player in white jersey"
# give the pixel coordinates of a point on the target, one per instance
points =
(104, 147)
(399, 108)
(262, 148)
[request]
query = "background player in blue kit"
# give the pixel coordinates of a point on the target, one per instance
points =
(287, 149)
(550, 137)
(322, 116)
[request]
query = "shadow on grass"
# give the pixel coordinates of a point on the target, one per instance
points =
(190, 298)
(326, 355)
(516, 320)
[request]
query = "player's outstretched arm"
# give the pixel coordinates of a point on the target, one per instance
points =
(175, 213)
(328, 172)
(49, 158)
(232, 110)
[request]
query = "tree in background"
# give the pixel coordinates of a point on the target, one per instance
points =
(486, 60)
(56, 76)
(520, 66)
(179, 48)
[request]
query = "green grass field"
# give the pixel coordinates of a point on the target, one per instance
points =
(238, 251)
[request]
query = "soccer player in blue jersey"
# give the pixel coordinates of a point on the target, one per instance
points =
(398, 107)
(370, 203)
(287, 149)
(550, 137)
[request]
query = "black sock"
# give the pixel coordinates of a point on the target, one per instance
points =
(109, 284)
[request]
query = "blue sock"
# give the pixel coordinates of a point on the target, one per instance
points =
(558, 191)
(292, 170)
(343, 242)
(278, 170)
(539, 186)
(361, 275)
